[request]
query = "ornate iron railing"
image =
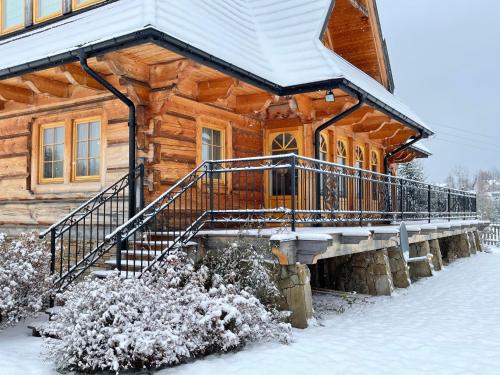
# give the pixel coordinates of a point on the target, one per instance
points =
(78, 240)
(287, 190)
(491, 236)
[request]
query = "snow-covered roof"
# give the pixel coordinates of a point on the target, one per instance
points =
(276, 40)
(419, 146)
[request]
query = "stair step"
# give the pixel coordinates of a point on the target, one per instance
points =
(103, 274)
(145, 245)
(139, 264)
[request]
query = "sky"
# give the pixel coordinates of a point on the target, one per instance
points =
(445, 58)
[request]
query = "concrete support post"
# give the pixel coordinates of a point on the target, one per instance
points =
(294, 283)
(437, 258)
(399, 269)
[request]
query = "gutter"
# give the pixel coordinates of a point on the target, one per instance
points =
(398, 150)
(131, 129)
(317, 140)
(152, 35)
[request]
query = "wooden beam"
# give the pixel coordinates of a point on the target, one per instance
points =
(215, 89)
(15, 94)
(253, 103)
(137, 91)
(305, 108)
(124, 66)
(360, 7)
(356, 116)
(41, 85)
(78, 77)
(371, 122)
(388, 130)
(400, 138)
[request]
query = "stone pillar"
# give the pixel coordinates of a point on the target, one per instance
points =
(399, 269)
(294, 283)
(450, 248)
(472, 243)
(422, 267)
(371, 274)
(477, 240)
(463, 248)
(437, 258)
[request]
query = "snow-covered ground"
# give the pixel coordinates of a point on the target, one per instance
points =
(448, 324)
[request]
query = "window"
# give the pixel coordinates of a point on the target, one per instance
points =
(52, 153)
(212, 144)
(360, 157)
(283, 143)
(87, 150)
(12, 15)
(323, 149)
(341, 153)
(45, 9)
(375, 178)
(78, 4)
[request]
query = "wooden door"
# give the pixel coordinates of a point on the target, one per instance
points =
(278, 182)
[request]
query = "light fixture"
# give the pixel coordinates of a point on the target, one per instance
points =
(330, 96)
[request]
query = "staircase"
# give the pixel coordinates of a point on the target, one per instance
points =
(97, 239)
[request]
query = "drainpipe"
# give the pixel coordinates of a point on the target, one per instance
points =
(131, 129)
(317, 140)
(398, 150)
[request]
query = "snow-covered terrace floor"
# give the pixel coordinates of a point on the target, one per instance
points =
(448, 324)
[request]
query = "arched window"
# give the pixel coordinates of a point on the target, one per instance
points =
(360, 157)
(283, 143)
(375, 178)
(323, 149)
(341, 153)
(374, 162)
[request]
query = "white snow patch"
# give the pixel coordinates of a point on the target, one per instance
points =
(447, 324)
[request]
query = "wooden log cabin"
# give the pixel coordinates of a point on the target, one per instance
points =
(91, 91)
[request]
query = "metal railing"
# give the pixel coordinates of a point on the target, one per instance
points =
(491, 236)
(276, 190)
(78, 240)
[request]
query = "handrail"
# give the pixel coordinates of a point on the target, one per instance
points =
(77, 210)
(156, 201)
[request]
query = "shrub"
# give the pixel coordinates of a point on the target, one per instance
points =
(25, 280)
(248, 265)
(166, 317)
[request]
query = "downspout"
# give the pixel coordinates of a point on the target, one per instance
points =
(317, 140)
(131, 129)
(399, 149)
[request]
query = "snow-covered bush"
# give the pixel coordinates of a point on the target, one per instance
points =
(25, 280)
(166, 317)
(248, 265)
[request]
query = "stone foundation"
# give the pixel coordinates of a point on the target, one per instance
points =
(477, 240)
(365, 273)
(294, 283)
(399, 269)
(437, 258)
(421, 268)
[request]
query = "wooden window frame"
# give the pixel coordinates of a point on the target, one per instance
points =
(12, 28)
(41, 160)
(75, 6)
(227, 139)
(37, 20)
(356, 160)
(377, 164)
(74, 177)
(325, 141)
(337, 155)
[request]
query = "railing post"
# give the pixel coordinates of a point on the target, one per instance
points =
(211, 194)
(401, 202)
(360, 197)
(429, 202)
(141, 187)
(293, 171)
(120, 246)
(449, 205)
(53, 251)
